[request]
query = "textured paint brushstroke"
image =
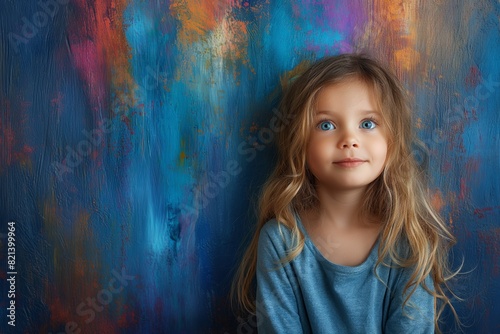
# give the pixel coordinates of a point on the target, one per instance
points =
(100, 50)
(189, 86)
(198, 17)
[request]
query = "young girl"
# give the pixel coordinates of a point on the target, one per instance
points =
(347, 240)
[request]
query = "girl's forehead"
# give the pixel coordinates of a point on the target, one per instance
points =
(349, 81)
(340, 91)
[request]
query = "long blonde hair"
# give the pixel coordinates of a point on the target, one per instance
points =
(398, 197)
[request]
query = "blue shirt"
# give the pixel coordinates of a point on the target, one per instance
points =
(313, 295)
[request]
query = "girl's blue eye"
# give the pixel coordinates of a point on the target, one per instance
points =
(368, 124)
(326, 126)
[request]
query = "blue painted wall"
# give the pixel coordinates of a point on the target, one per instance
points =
(134, 138)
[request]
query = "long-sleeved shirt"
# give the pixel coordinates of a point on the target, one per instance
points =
(310, 294)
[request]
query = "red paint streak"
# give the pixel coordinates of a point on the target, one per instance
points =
(159, 306)
(472, 79)
(471, 169)
(89, 60)
(128, 318)
(482, 212)
(447, 165)
(11, 150)
(59, 311)
(56, 104)
(6, 142)
(6, 135)
(23, 156)
(490, 239)
(128, 123)
(463, 189)
(101, 324)
(99, 49)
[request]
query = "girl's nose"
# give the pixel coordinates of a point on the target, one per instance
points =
(349, 144)
(348, 140)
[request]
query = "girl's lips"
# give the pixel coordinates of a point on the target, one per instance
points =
(349, 162)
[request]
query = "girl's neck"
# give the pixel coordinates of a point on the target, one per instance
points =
(340, 208)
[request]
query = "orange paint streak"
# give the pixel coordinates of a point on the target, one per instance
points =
(391, 33)
(110, 33)
(210, 32)
(182, 158)
(232, 40)
(70, 265)
(197, 17)
(437, 200)
(406, 58)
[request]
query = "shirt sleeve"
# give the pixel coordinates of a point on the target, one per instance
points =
(276, 304)
(417, 316)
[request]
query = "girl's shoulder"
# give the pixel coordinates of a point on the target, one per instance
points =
(276, 234)
(273, 228)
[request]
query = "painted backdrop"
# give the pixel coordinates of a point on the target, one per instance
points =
(135, 136)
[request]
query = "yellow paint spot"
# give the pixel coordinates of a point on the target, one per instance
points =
(197, 17)
(182, 158)
(419, 123)
(407, 58)
(391, 33)
(254, 127)
(286, 78)
(182, 155)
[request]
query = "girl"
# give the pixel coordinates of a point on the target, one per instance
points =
(347, 240)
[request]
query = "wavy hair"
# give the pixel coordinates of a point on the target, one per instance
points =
(398, 197)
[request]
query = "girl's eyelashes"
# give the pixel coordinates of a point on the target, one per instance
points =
(368, 124)
(325, 125)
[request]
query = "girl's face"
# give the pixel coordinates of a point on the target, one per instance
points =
(348, 144)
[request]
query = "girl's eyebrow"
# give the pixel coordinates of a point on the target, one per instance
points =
(362, 112)
(372, 112)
